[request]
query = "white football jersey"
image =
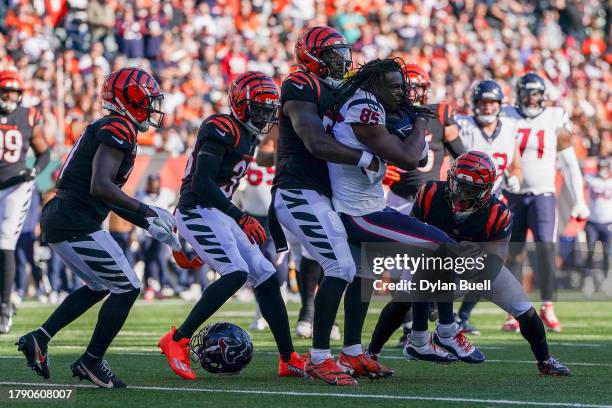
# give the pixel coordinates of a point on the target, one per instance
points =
(500, 146)
(600, 198)
(354, 193)
(255, 190)
(537, 138)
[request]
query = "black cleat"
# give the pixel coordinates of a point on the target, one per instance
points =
(99, 373)
(35, 353)
(553, 367)
(6, 317)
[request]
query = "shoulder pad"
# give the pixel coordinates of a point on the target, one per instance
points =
(222, 128)
(301, 85)
(117, 131)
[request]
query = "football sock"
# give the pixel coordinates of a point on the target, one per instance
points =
(533, 331)
(408, 318)
(389, 321)
(419, 338)
(75, 304)
(273, 309)
(112, 316)
(90, 359)
(466, 310)
(353, 350)
(447, 330)
(214, 296)
(7, 269)
(308, 278)
(445, 313)
(420, 316)
(546, 269)
(326, 307)
(319, 355)
(356, 303)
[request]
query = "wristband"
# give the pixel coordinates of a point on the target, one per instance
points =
(365, 159)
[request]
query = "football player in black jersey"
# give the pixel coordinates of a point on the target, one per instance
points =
(301, 189)
(89, 187)
(465, 209)
(221, 234)
(20, 129)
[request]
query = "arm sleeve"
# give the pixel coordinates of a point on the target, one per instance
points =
(446, 115)
(137, 218)
(208, 162)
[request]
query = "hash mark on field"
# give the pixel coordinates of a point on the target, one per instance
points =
(325, 394)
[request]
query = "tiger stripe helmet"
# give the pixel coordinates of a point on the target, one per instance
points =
(418, 83)
(10, 83)
(254, 99)
(324, 52)
(134, 93)
(470, 182)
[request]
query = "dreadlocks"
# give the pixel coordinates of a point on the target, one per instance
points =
(368, 77)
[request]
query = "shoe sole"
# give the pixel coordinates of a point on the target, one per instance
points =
(410, 357)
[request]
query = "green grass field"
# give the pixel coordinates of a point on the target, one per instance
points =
(508, 377)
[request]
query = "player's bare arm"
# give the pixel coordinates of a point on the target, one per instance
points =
(405, 154)
(307, 124)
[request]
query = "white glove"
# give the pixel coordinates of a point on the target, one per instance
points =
(161, 228)
(580, 211)
(513, 185)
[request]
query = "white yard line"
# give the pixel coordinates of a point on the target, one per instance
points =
(323, 394)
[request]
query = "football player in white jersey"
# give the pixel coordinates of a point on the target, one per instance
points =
(544, 134)
(358, 120)
(487, 132)
(599, 225)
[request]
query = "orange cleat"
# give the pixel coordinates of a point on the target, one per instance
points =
(328, 371)
(292, 368)
(177, 354)
(364, 365)
(547, 314)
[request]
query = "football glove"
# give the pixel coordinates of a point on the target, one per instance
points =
(513, 185)
(184, 262)
(161, 228)
(392, 175)
(580, 211)
(253, 229)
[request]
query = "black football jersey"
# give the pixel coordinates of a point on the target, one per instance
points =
(410, 181)
(295, 166)
(16, 130)
(491, 223)
(74, 211)
(239, 148)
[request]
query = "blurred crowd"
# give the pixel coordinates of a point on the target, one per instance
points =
(64, 49)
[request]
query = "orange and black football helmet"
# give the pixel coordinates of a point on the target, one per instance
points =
(324, 52)
(134, 93)
(254, 99)
(418, 82)
(11, 91)
(470, 182)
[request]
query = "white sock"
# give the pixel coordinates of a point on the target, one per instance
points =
(318, 355)
(419, 338)
(447, 330)
(353, 350)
